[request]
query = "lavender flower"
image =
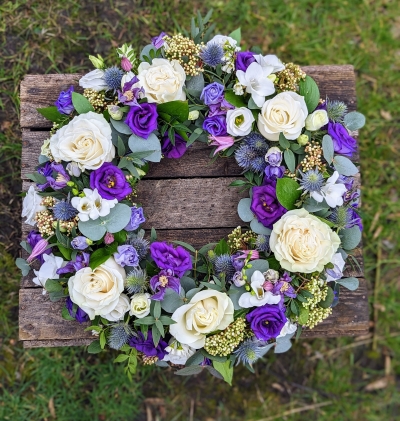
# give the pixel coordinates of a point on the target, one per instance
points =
(274, 172)
(33, 238)
(80, 242)
(159, 41)
(76, 312)
(130, 94)
(146, 346)
(283, 287)
(137, 218)
(38, 250)
(212, 94)
(55, 183)
(64, 102)
(165, 279)
(81, 261)
(126, 256)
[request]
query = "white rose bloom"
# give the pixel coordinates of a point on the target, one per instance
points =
(285, 113)
(331, 192)
(178, 353)
(92, 205)
(85, 140)
(337, 272)
(287, 329)
(140, 305)
(31, 205)
(316, 120)
(261, 297)
(206, 312)
(239, 121)
(162, 80)
(94, 80)
(271, 62)
(97, 291)
(48, 270)
(303, 243)
(120, 309)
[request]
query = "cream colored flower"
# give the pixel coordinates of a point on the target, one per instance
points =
(303, 243)
(316, 120)
(31, 205)
(140, 305)
(206, 312)
(98, 291)
(162, 80)
(285, 113)
(94, 80)
(239, 121)
(86, 140)
(120, 309)
(178, 353)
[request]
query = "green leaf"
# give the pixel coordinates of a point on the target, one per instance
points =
(148, 320)
(166, 321)
(177, 109)
(328, 300)
(349, 283)
(303, 316)
(213, 357)
(309, 90)
(120, 237)
(259, 228)
(327, 148)
(102, 340)
(121, 147)
(94, 347)
(294, 307)
(100, 256)
(156, 309)
(236, 100)
(226, 370)
(121, 358)
(287, 192)
(185, 245)
(65, 314)
(290, 160)
(160, 327)
(196, 83)
(238, 183)
(156, 335)
(120, 126)
(189, 371)
(258, 264)
(344, 166)
(171, 301)
(187, 283)
(221, 248)
(354, 120)
(152, 143)
(236, 35)
(350, 237)
(244, 212)
(53, 285)
(51, 113)
(64, 251)
(153, 235)
(81, 104)
(283, 141)
(196, 359)
(23, 266)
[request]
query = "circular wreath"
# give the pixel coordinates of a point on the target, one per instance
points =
(168, 304)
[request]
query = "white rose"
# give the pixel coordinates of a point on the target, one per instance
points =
(303, 243)
(31, 205)
(162, 80)
(285, 113)
(287, 329)
(118, 313)
(48, 270)
(97, 291)
(316, 120)
(206, 312)
(85, 140)
(92, 205)
(178, 353)
(94, 80)
(239, 121)
(140, 305)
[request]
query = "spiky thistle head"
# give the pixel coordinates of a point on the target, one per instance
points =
(136, 281)
(249, 351)
(312, 180)
(141, 245)
(258, 164)
(336, 110)
(257, 142)
(344, 217)
(223, 265)
(64, 211)
(262, 243)
(120, 334)
(212, 54)
(113, 76)
(244, 156)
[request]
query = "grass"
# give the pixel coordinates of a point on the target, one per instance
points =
(342, 378)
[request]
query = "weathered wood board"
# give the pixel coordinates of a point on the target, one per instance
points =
(186, 199)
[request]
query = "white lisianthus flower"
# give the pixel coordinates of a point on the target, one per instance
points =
(285, 113)
(48, 270)
(31, 205)
(316, 120)
(337, 272)
(303, 243)
(178, 353)
(97, 291)
(140, 305)
(94, 80)
(331, 192)
(256, 81)
(85, 140)
(162, 80)
(270, 62)
(206, 312)
(92, 205)
(287, 329)
(261, 297)
(193, 115)
(120, 309)
(239, 121)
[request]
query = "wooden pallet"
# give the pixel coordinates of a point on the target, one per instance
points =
(186, 199)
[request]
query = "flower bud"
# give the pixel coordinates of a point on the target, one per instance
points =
(70, 184)
(302, 139)
(126, 64)
(115, 112)
(108, 238)
(247, 288)
(272, 77)
(75, 192)
(193, 115)
(97, 62)
(274, 156)
(73, 169)
(39, 248)
(316, 120)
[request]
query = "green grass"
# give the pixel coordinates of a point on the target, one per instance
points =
(339, 374)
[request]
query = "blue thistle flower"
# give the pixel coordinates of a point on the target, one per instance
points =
(244, 156)
(136, 281)
(212, 54)
(141, 245)
(258, 164)
(344, 217)
(257, 142)
(312, 180)
(262, 243)
(223, 264)
(119, 335)
(64, 210)
(113, 77)
(250, 351)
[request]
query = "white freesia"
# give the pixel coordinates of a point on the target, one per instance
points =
(119, 310)
(97, 291)
(285, 113)
(223, 40)
(303, 243)
(239, 121)
(45, 148)
(31, 205)
(260, 296)
(85, 140)
(162, 80)
(48, 270)
(140, 305)
(178, 353)
(271, 62)
(287, 329)
(206, 312)
(256, 81)
(92, 205)
(94, 80)
(337, 272)
(331, 192)
(316, 120)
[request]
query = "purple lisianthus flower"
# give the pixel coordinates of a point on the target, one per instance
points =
(57, 183)
(168, 257)
(244, 59)
(267, 321)
(158, 41)
(110, 182)
(146, 346)
(274, 157)
(343, 143)
(137, 218)
(79, 315)
(64, 102)
(215, 125)
(130, 94)
(81, 261)
(33, 238)
(142, 119)
(126, 255)
(265, 205)
(165, 279)
(212, 94)
(173, 151)
(283, 286)
(238, 261)
(80, 243)
(274, 172)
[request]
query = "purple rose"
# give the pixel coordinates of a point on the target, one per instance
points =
(168, 257)
(265, 205)
(126, 255)
(343, 143)
(76, 312)
(33, 238)
(142, 119)
(137, 218)
(64, 102)
(215, 125)
(110, 182)
(173, 151)
(146, 346)
(212, 93)
(165, 279)
(267, 321)
(80, 243)
(244, 59)
(274, 172)
(81, 261)
(158, 42)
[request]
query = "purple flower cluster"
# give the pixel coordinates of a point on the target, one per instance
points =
(171, 150)
(267, 321)
(168, 257)
(137, 218)
(47, 170)
(130, 93)
(126, 255)
(165, 279)
(146, 345)
(142, 119)
(64, 102)
(343, 143)
(76, 312)
(81, 261)
(244, 59)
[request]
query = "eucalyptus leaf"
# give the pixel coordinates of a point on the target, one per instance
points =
(171, 301)
(259, 228)
(349, 283)
(118, 218)
(327, 148)
(152, 143)
(245, 214)
(283, 346)
(311, 205)
(344, 166)
(354, 120)
(189, 371)
(290, 160)
(350, 237)
(283, 141)
(120, 126)
(234, 294)
(187, 283)
(259, 264)
(23, 266)
(146, 51)
(196, 359)
(196, 83)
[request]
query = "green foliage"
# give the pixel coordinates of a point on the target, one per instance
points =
(309, 89)
(287, 192)
(81, 104)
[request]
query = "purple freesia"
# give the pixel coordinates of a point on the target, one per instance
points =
(139, 342)
(283, 287)
(137, 218)
(168, 257)
(110, 182)
(165, 279)
(212, 94)
(142, 120)
(244, 59)
(57, 183)
(33, 238)
(267, 321)
(343, 143)
(215, 125)
(81, 261)
(126, 255)
(79, 315)
(238, 261)
(173, 151)
(130, 94)
(64, 102)
(158, 41)
(274, 172)
(220, 108)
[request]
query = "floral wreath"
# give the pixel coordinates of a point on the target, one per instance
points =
(168, 304)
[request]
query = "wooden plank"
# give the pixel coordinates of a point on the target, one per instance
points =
(58, 342)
